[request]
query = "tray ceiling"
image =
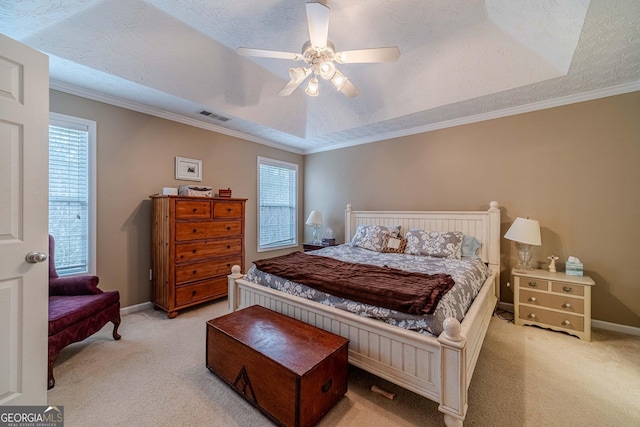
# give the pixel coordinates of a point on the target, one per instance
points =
(461, 60)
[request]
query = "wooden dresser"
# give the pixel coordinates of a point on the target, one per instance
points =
(553, 300)
(195, 242)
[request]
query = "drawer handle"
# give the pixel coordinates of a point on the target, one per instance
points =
(195, 210)
(195, 271)
(532, 316)
(228, 228)
(228, 265)
(195, 250)
(228, 209)
(533, 299)
(533, 284)
(566, 305)
(567, 289)
(566, 323)
(228, 246)
(326, 387)
(195, 230)
(193, 294)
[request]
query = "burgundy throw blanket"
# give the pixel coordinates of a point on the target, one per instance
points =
(404, 291)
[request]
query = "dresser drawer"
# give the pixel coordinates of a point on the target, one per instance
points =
(551, 318)
(191, 209)
(205, 269)
(207, 230)
(557, 302)
(206, 289)
(207, 249)
(567, 288)
(531, 283)
(227, 210)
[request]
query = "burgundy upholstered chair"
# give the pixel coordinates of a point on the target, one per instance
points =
(77, 310)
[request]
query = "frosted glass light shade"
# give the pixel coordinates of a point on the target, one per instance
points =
(312, 87)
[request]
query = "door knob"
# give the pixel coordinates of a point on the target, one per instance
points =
(34, 257)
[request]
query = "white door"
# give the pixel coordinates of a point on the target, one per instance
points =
(24, 165)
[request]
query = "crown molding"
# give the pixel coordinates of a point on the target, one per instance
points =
(536, 106)
(542, 105)
(157, 112)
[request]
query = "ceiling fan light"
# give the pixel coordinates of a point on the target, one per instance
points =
(338, 80)
(298, 74)
(327, 70)
(312, 87)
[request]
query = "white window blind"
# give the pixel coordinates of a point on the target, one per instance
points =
(70, 207)
(277, 204)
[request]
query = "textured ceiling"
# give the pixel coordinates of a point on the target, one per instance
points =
(460, 60)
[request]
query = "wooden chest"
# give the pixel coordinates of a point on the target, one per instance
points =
(293, 372)
(195, 242)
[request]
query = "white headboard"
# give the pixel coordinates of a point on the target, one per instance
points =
(483, 225)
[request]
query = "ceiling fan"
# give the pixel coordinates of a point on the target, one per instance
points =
(319, 54)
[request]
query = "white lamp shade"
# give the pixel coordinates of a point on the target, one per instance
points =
(524, 231)
(315, 218)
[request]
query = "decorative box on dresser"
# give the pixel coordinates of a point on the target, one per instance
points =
(553, 300)
(195, 242)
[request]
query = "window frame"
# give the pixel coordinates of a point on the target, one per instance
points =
(285, 165)
(63, 120)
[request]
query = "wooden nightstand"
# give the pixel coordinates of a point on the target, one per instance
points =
(312, 247)
(553, 300)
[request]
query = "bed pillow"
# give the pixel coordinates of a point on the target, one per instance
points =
(470, 246)
(373, 237)
(439, 244)
(395, 245)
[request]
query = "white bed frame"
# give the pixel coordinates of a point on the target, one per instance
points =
(437, 368)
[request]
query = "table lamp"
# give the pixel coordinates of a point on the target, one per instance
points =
(525, 232)
(315, 221)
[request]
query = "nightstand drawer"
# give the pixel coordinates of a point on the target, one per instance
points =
(567, 288)
(551, 318)
(557, 302)
(531, 283)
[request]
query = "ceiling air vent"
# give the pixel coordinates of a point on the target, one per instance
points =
(214, 116)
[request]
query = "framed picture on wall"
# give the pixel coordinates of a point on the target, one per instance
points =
(189, 169)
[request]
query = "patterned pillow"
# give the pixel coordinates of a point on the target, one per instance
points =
(372, 237)
(395, 245)
(440, 244)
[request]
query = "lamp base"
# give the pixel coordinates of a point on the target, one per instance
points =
(524, 256)
(317, 235)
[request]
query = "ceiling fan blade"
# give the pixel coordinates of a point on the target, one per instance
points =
(263, 53)
(318, 19)
(349, 90)
(378, 54)
(298, 75)
(290, 87)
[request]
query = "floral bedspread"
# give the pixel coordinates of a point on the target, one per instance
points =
(469, 273)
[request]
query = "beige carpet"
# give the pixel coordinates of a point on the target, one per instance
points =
(156, 376)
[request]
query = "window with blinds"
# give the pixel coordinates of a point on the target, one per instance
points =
(277, 204)
(70, 193)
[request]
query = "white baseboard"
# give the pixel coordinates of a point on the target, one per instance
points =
(615, 327)
(136, 308)
(600, 324)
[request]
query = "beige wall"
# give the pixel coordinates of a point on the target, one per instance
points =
(135, 158)
(576, 169)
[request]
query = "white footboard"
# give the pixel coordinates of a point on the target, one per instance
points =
(437, 368)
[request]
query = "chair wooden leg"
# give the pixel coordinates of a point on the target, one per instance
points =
(52, 361)
(116, 335)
